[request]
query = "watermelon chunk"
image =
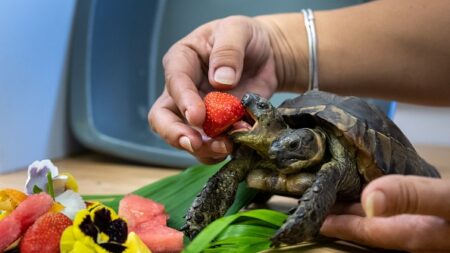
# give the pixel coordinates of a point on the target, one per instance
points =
(158, 220)
(137, 209)
(13, 226)
(159, 238)
(31, 209)
(148, 220)
(9, 231)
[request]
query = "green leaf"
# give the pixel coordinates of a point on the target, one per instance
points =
(256, 247)
(179, 191)
(217, 234)
(237, 241)
(50, 190)
(237, 230)
(105, 199)
(36, 189)
(172, 190)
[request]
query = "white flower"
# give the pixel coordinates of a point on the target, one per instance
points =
(72, 203)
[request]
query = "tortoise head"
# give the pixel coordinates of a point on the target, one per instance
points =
(296, 149)
(265, 120)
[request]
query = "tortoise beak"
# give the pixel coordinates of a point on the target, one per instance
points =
(250, 120)
(248, 99)
(274, 150)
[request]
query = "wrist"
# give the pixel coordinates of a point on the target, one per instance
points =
(290, 50)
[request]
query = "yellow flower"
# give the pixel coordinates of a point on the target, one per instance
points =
(65, 181)
(99, 229)
(9, 200)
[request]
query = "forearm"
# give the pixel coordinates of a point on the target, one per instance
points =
(289, 44)
(395, 49)
(390, 49)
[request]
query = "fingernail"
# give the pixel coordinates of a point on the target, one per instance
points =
(205, 138)
(375, 203)
(187, 115)
(186, 144)
(225, 75)
(219, 157)
(219, 147)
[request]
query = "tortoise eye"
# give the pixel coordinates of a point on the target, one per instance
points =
(262, 105)
(294, 144)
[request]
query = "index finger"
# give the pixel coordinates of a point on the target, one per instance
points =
(165, 119)
(184, 71)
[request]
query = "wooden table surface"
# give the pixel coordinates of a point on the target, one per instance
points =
(101, 174)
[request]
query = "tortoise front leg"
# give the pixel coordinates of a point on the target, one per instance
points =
(314, 205)
(216, 197)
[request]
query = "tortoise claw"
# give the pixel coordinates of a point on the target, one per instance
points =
(192, 234)
(292, 210)
(275, 241)
(290, 234)
(185, 227)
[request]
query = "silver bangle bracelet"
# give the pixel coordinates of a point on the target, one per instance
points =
(313, 83)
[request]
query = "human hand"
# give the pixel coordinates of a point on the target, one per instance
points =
(402, 212)
(211, 57)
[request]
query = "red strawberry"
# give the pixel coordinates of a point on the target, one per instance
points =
(222, 111)
(44, 235)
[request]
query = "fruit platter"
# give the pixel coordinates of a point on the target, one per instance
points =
(146, 220)
(51, 216)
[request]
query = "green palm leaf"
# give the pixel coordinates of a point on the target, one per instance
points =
(178, 192)
(248, 231)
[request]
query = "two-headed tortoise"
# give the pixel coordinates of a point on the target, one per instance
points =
(318, 147)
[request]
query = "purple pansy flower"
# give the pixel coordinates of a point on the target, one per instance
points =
(37, 175)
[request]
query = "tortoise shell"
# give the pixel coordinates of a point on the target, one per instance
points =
(381, 146)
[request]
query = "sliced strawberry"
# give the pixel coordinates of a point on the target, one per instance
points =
(44, 235)
(222, 111)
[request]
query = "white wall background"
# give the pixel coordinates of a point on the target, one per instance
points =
(424, 125)
(34, 41)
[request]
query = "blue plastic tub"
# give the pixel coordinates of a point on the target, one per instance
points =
(116, 72)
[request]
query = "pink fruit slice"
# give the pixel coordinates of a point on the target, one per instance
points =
(159, 238)
(32, 208)
(9, 231)
(28, 211)
(148, 220)
(137, 209)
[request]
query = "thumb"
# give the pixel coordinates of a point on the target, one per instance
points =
(396, 194)
(230, 40)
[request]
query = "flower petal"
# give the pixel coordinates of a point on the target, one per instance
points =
(9, 200)
(37, 175)
(70, 244)
(72, 203)
(71, 182)
(135, 244)
(100, 229)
